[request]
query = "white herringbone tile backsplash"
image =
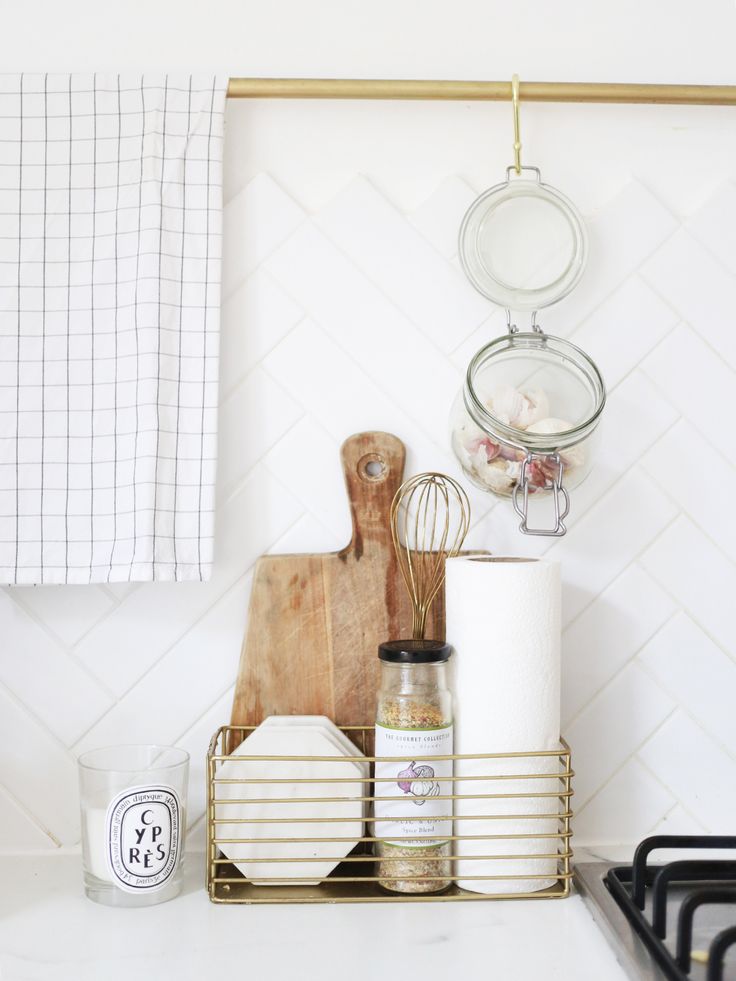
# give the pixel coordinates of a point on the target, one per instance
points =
(357, 317)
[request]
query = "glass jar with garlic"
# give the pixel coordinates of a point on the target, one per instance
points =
(525, 423)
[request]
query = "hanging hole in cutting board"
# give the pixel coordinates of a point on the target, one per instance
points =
(371, 467)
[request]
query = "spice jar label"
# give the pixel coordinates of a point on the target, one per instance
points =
(408, 811)
(143, 837)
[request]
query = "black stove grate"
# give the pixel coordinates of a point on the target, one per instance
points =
(713, 881)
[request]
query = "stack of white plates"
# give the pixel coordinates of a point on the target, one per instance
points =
(251, 811)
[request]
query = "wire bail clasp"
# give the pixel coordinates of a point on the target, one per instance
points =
(560, 497)
(517, 130)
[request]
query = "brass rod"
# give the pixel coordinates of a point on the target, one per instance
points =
(293, 780)
(295, 879)
(467, 91)
(408, 818)
(372, 858)
(392, 759)
(415, 798)
(372, 840)
(302, 897)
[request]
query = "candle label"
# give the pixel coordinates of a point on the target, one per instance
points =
(143, 837)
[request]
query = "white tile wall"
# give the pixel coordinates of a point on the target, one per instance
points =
(355, 316)
(695, 768)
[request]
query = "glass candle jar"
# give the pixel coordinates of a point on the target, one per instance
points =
(413, 722)
(133, 802)
(525, 422)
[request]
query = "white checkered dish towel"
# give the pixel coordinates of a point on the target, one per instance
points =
(110, 245)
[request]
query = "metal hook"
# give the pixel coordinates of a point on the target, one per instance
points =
(517, 131)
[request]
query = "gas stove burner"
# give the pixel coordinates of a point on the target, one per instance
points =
(675, 921)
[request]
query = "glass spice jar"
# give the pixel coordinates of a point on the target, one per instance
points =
(414, 721)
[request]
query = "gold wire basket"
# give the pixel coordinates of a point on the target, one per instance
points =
(355, 878)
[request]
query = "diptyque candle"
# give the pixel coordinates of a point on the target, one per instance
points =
(133, 801)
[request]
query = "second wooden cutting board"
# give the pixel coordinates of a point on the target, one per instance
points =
(315, 621)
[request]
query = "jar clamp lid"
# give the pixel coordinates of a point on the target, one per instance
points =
(414, 651)
(522, 243)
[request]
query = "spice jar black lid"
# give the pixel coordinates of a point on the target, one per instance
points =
(414, 651)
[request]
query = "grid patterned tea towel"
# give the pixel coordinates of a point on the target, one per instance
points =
(110, 241)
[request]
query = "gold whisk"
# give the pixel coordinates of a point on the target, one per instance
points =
(430, 516)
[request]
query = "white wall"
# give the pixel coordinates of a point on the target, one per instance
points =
(316, 193)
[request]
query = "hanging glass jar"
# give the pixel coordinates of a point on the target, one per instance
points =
(525, 423)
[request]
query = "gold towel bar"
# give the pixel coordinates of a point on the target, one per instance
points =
(382, 88)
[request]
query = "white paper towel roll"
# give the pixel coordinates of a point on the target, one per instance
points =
(503, 619)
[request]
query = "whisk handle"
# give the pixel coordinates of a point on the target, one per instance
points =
(373, 464)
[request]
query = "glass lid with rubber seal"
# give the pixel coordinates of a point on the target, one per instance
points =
(522, 243)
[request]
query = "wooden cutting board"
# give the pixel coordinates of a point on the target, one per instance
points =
(315, 621)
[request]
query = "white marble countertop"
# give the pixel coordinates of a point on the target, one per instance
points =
(49, 931)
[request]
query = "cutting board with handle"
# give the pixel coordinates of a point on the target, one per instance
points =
(315, 621)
